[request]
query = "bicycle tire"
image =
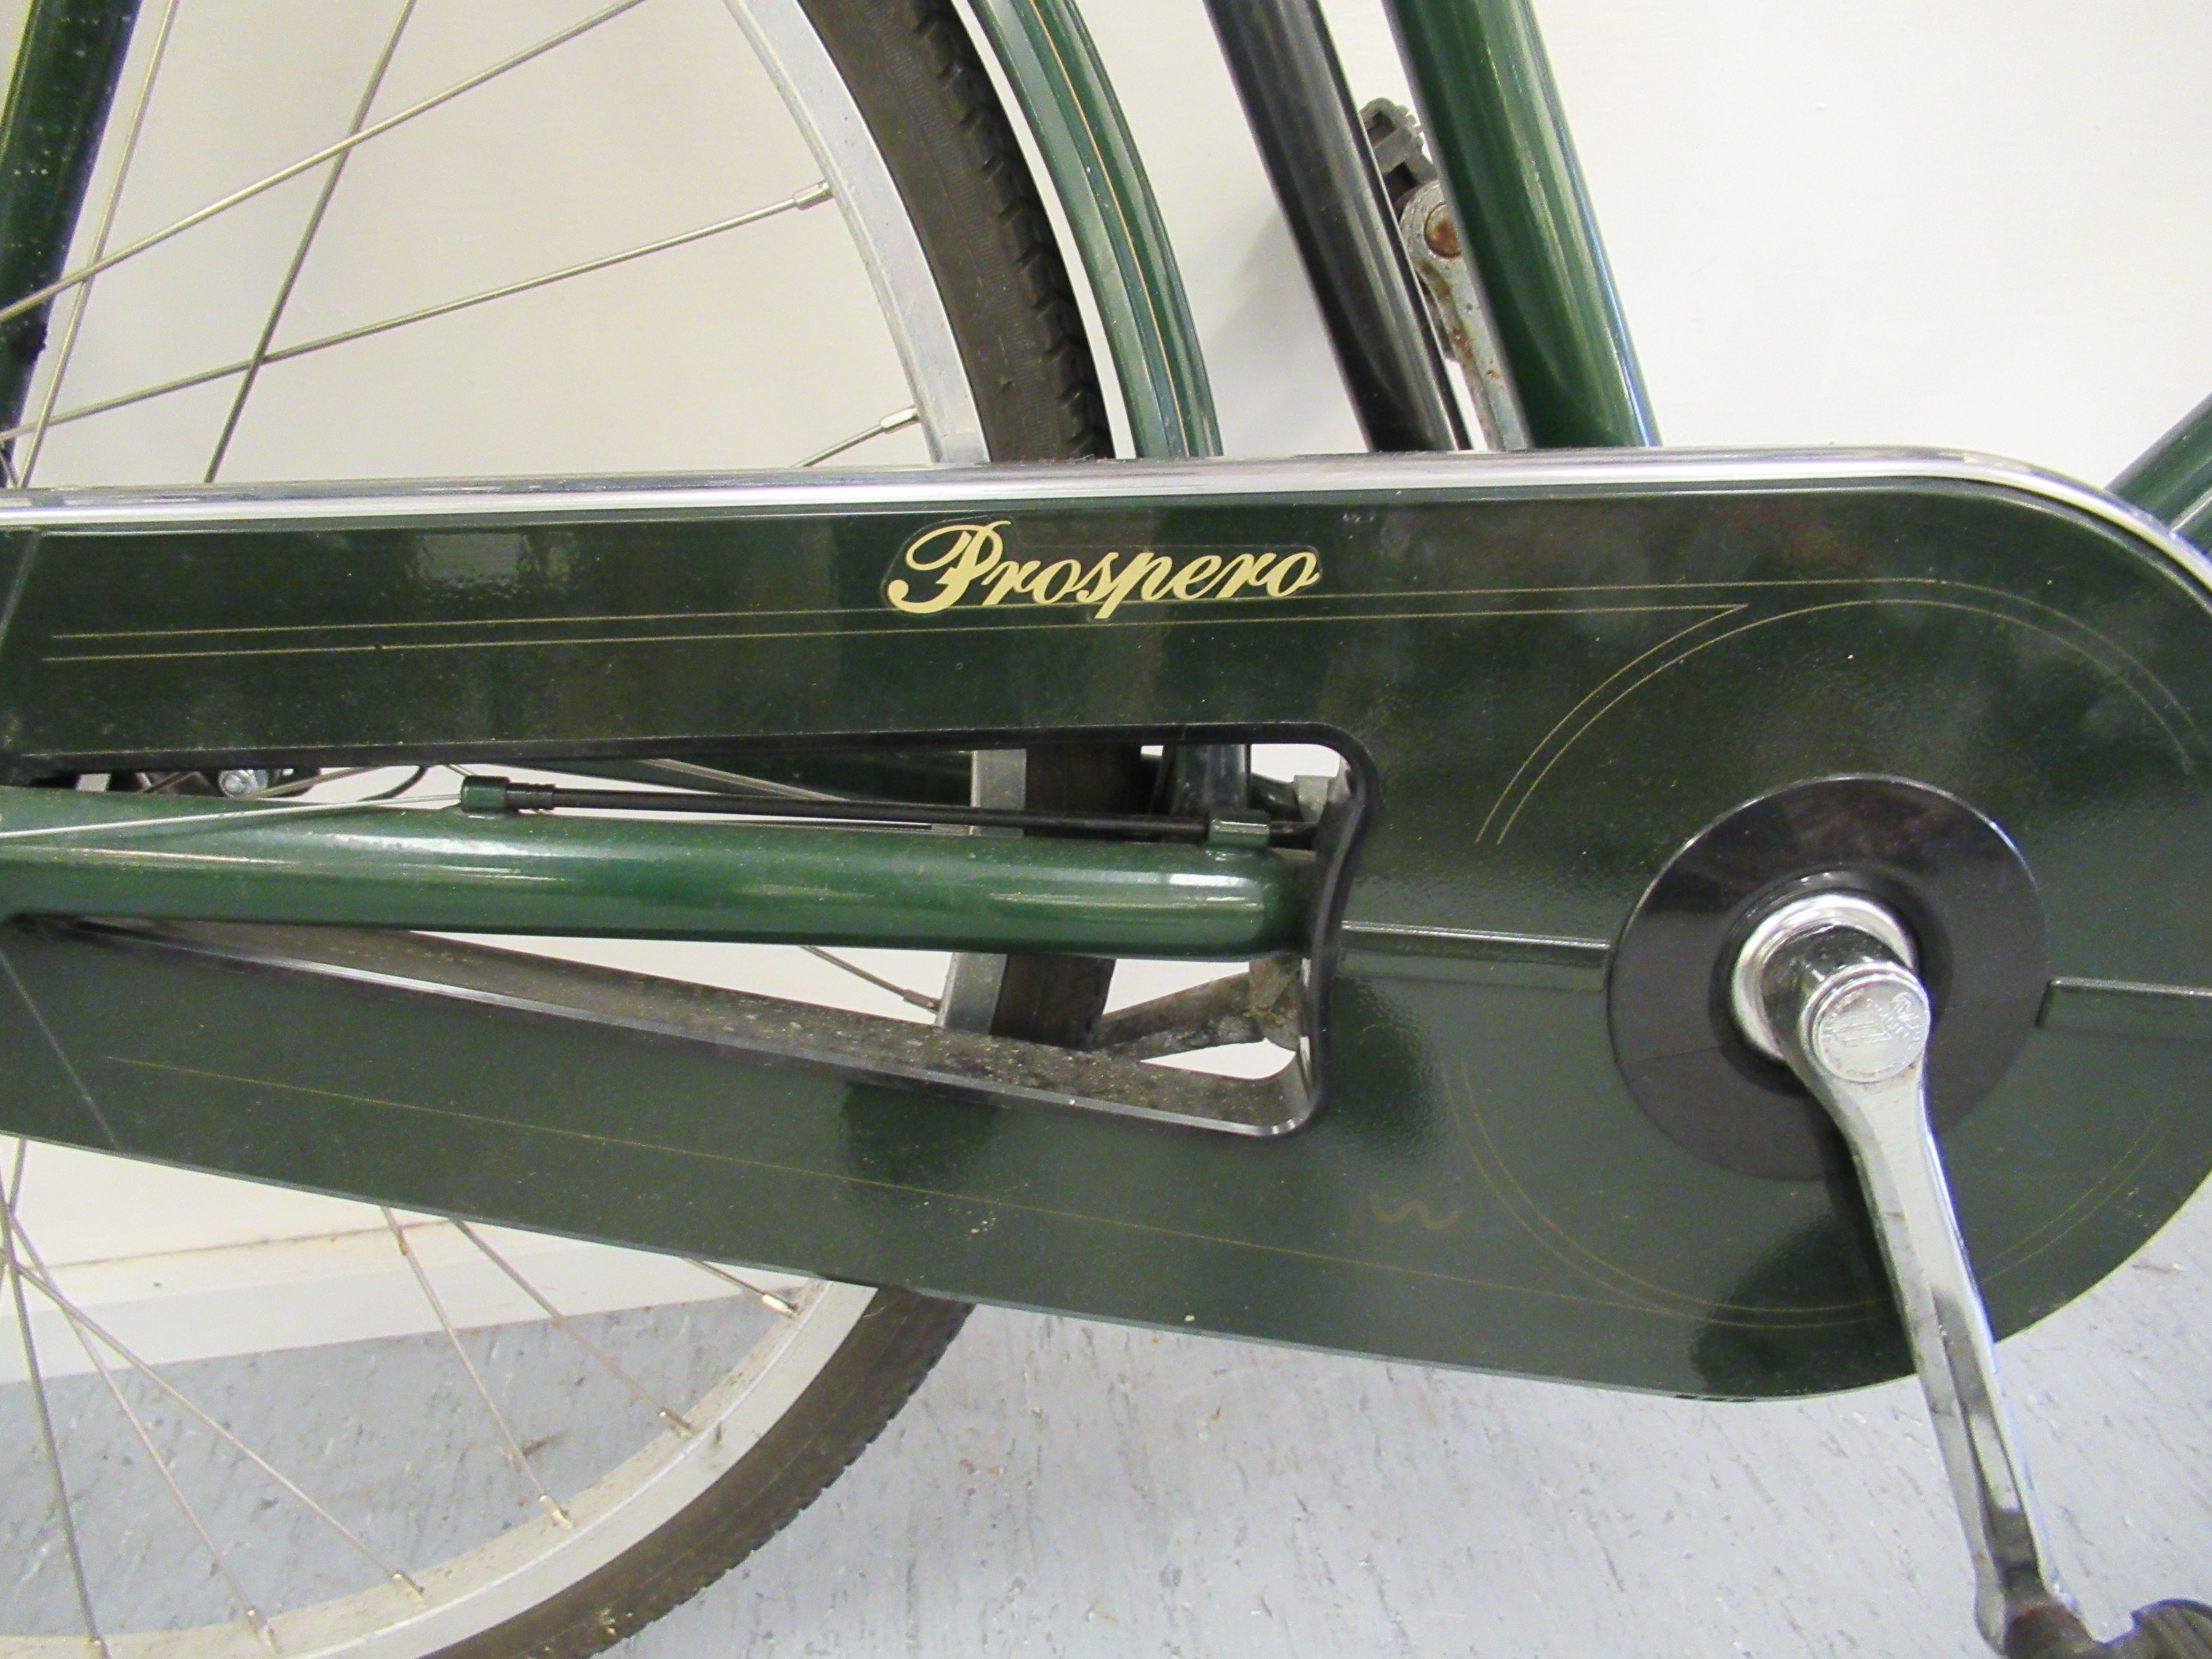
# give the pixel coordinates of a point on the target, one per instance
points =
(947, 144)
(872, 1374)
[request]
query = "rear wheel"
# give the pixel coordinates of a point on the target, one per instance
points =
(995, 364)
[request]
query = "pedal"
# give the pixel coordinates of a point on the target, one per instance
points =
(2164, 1630)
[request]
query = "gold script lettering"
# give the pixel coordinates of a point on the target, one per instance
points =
(1140, 567)
(1190, 581)
(1281, 584)
(971, 563)
(1056, 580)
(1013, 577)
(1244, 571)
(970, 551)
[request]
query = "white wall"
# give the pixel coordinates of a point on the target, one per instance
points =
(1958, 223)
(1970, 223)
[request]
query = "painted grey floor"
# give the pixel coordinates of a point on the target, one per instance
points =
(388, 1435)
(1065, 1488)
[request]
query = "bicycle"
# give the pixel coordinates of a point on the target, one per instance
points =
(1089, 571)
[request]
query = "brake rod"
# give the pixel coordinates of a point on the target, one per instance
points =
(494, 796)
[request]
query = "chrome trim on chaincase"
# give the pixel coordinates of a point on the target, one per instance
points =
(1397, 477)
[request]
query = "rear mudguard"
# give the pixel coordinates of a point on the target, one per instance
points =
(1548, 676)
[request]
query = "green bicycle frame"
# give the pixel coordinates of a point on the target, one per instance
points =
(1522, 661)
(1493, 119)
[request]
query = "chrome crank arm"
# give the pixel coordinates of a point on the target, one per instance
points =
(1827, 983)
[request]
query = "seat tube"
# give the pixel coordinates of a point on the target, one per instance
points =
(1493, 119)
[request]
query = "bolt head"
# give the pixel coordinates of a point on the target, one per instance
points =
(1869, 1027)
(1441, 234)
(1783, 927)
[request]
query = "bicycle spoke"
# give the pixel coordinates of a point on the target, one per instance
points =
(307, 243)
(71, 279)
(11, 1268)
(81, 299)
(811, 196)
(54, 1046)
(899, 419)
(561, 1323)
(475, 1378)
(738, 784)
(185, 821)
(254, 1619)
(770, 1299)
(918, 999)
(30, 1269)
(300, 785)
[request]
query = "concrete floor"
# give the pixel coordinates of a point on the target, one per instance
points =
(387, 1433)
(1065, 1488)
(1061, 1487)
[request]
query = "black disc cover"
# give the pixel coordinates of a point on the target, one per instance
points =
(1952, 876)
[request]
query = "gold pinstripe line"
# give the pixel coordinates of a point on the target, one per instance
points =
(876, 610)
(1045, 1211)
(2181, 753)
(909, 632)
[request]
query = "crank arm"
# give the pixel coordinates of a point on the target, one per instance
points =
(1827, 983)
